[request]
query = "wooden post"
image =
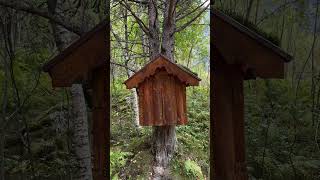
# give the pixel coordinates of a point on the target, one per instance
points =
(100, 114)
(228, 127)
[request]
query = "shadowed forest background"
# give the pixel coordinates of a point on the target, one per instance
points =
(38, 134)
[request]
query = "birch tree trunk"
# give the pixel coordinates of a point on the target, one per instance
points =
(134, 95)
(80, 133)
(80, 136)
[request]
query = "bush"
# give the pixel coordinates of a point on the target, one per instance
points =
(193, 170)
(117, 160)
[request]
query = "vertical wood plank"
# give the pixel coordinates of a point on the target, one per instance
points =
(180, 105)
(169, 101)
(223, 141)
(157, 100)
(100, 116)
(141, 105)
(184, 96)
(151, 99)
(178, 101)
(228, 123)
(238, 122)
(148, 102)
(173, 102)
(161, 96)
(145, 106)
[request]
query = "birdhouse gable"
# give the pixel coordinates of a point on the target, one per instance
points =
(76, 62)
(238, 44)
(163, 64)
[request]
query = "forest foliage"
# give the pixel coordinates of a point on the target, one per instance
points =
(282, 117)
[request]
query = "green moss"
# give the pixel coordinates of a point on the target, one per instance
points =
(193, 170)
(240, 19)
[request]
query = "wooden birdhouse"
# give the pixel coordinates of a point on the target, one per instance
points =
(161, 87)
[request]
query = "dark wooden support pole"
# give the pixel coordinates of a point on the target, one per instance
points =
(100, 114)
(228, 127)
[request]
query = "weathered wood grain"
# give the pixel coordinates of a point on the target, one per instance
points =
(162, 99)
(151, 68)
(228, 121)
(100, 120)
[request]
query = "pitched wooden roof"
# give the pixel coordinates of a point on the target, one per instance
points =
(240, 45)
(182, 73)
(75, 62)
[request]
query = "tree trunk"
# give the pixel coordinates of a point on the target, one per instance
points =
(80, 137)
(154, 29)
(134, 101)
(134, 95)
(164, 137)
(80, 133)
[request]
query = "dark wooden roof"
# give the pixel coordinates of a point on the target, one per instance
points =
(74, 64)
(184, 74)
(240, 45)
(83, 39)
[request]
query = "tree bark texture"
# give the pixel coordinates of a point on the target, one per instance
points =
(154, 29)
(81, 142)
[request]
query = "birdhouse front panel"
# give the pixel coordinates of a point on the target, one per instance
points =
(161, 87)
(162, 100)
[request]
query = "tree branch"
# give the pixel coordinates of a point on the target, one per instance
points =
(192, 20)
(183, 7)
(139, 2)
(139, 21)
(280, 8)
(122, 65)
(191, 12)
(42, 13)
(172, 7)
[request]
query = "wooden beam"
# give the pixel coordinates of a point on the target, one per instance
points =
(227, 127)
(100, 118)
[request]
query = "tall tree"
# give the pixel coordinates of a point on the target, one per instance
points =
(161, 40)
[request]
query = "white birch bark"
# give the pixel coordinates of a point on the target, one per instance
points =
(81, 143)
(135, 107)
